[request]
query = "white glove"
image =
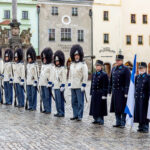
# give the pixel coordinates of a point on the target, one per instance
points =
(21, 83)
(1, 76)
(125, 95)
(49, 85)
(104, 97)
(82, 89)
(109, 95)
(34, 84)
(11, 81)
(62, 89)
(69, 85)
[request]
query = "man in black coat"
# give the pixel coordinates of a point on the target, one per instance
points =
(142, 92)
(99, 89)
(119, 85)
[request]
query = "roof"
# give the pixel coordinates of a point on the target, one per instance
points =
(6, 22)
(68, 1)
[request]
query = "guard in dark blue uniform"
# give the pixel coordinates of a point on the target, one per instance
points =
(99, 90)
(142, 90)
(119, 85)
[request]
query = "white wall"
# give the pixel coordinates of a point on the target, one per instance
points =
(119, 26)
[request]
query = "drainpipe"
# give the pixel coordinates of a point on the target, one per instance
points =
(91, 16)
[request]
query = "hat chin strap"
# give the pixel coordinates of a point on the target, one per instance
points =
(141, 72)
(77, 60)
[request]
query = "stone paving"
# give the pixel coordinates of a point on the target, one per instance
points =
(24, 130)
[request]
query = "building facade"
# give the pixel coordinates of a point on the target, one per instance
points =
(64, 23)
(121, 26)
(26, 14)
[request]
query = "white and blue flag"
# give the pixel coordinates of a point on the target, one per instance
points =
(129, 110)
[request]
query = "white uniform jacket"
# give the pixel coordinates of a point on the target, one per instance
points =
(60, 76)
(46, 75)
(78, 75)
(8, 74)
(19, 72)
(32, 73)
(1, 67)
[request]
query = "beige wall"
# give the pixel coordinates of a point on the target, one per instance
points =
(138, 7)
(80, 22)
(107, 52)
(119, 26)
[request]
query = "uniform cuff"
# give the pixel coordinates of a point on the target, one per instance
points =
(63, 85)
(2, 75)
(50, 83)
(22, 80)
(83, 84)
(11, 79)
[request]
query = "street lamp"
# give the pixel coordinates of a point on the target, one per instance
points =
(38, 12)
(91, 16)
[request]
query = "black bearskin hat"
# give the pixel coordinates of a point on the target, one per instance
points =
(31, 54)
(60, 56)
(9, 54)
(76, 48)
(0, 52)
(48, 54)
(19, 53)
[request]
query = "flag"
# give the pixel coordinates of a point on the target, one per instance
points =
(129, 109)
(148, 113)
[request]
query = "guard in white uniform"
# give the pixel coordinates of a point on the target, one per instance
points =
(60, 76)
(8, 77)
(1, 75)
(19, 76)
(78, 77)
(46, 79)
(32, 71)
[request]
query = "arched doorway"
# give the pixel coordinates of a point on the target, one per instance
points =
(129, 65)
(107, 68)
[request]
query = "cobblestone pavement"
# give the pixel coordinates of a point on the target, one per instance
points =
(24, 130)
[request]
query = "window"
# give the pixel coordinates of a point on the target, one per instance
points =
(24, 14)
(55, 11)
(106, 38)
(145, 19)
(7, 14)
(65, 34)
(128, 39)
(133, 18)
(80, 35)
(140, 40)
(51, 33)
(106, 16)
(74, 11)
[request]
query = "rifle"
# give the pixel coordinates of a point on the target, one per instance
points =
(40, 101)
(15, 102)
(26, 105)
(2, 92)
(51, 93)
(22, 86)
(62, 94)
(37, 78)
(85, 97)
